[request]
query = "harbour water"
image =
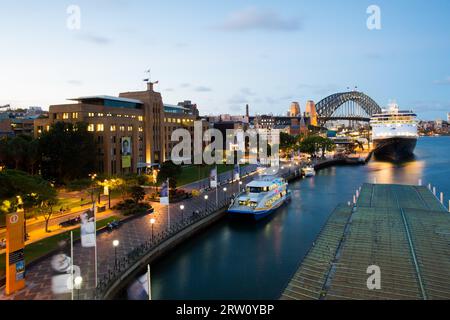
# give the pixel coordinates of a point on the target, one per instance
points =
(255, 260)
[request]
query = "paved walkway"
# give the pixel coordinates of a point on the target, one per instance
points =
(130, 234)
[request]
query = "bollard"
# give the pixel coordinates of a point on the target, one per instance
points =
(448, 205)
(354, 199)
(442, 197)
(434, 191)
(420, 182)
(357, 194)
(429, 186)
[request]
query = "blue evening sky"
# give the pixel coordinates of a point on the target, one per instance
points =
(224, 54)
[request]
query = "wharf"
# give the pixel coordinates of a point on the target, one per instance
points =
(404, 230)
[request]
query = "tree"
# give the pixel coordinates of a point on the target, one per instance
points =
(68, 152)
(34, 192)
(326, 144)
(137, 193)
(170, 171)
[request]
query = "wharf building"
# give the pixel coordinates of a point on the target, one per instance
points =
(132, 131)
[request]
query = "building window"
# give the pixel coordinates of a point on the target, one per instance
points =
(130, 128)
(100, 127)
(65, 116)
(122, 128)
(141, 118)
(113, 128)
(90, 115)
(99, 114)
(75, 115)
(141, 129)
(91, 128)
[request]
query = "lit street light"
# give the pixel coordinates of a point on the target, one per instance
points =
(182, 212)
(152, 222)
(225, 193)
(206, 202)
(115, 245)
(77, 285)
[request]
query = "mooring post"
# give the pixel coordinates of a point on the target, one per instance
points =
(420, 182)
(442, 197)
(434, 191)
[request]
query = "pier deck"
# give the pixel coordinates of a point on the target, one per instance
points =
(404, 230)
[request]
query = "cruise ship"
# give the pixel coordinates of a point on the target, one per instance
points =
(261, 197)
(394, 133)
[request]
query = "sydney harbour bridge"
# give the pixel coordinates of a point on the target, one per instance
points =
(352, 105)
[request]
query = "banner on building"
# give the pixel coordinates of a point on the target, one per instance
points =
(213, 178)
(126, 152)
(164, 195)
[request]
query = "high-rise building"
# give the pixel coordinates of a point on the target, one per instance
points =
(294, 110)
(310, 112)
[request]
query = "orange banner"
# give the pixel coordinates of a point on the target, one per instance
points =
(15, 257)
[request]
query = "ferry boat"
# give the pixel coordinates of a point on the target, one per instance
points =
(308, 171)
(261, 197)
(394, 133)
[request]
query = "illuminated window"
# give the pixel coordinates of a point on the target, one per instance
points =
(130, 128)
(113, 128)
(109, 115)
(141, 118)
(100, 114)
(122, 128)
(47, 128)
(90, 114)
(100, 127)
(91, 128)
(179, 120)
(65, 116)
(141, 129)
(119, 115)
(75, 115)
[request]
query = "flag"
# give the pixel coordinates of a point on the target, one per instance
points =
(237, 172)
(87, 229)
(164, 195)
(213, 178)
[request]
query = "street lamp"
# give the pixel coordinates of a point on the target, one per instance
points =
(240, 184)
(152, 222)
(182, 212)
(115, 245)
(206, 202)
(225, 193)
(77, 285)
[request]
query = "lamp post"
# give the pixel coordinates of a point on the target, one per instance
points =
(206, 202)
(152, 222)
(240, 184)
(77, 284)
(182, 212)
(225, 193)
(115, 245)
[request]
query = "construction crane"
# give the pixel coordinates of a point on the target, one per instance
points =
(5, 106)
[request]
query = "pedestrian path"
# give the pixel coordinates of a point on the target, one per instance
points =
(402, 230)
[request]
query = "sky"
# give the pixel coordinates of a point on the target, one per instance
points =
(224, 54)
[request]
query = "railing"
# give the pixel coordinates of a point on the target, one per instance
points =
(124, 263)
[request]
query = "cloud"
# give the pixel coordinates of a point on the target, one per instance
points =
(185, 85)
(95, 39)
(203, 89)
(445, 81)
(254, 18)
(169, 89)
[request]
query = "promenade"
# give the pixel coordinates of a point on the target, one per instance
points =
(403, 230)
(131, 235)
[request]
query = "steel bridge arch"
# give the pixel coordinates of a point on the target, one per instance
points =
(326, 107)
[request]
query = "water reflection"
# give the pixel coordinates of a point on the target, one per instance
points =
(254, 260)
